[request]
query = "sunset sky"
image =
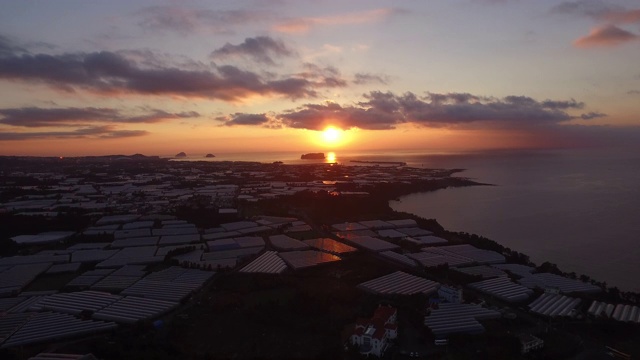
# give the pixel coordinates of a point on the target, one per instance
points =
(159, 77)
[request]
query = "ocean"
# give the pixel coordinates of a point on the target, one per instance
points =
(579, 209)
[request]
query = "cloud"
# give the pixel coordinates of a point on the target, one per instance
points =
(633, 92)
(150, 59)
(462, 108)
(609, 35)
(40, 117)
(98, 132)
(366, 78)
(113, 72)
(9, 47)
(386, 110)
(186, 21)
(563, 105)
(304, 24)
(590, 8)
(90, 122)
(599, 10)
(319, 116)
(623, 16)
(260, 49)
(244, 119)
(592, 115)
(158, 116)
(327, 76)
(493, 2)
(117, 134)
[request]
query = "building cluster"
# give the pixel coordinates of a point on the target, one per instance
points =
(372, 335)
(107, 274)
(154, 186)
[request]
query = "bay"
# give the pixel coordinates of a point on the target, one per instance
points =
(579, 209)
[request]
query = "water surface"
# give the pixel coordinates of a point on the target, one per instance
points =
(578, 209)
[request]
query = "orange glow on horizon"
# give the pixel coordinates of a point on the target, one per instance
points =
(169, 139)
(331, 138)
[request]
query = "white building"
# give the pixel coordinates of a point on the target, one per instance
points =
(530, 343)
(372, 335)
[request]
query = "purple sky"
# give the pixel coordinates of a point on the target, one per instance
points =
(155, 77)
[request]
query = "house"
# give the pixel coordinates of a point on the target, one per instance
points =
(529, 343)
(372, 335)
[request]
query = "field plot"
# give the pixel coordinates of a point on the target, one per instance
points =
(400, 283)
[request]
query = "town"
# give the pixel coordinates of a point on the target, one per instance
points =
(141, 257)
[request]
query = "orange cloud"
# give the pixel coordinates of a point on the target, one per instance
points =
(623, 17)
(608, 35)
(301, 25)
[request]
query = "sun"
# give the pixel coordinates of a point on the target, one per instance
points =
(331, 135)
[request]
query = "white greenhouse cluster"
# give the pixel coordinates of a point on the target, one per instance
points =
(269, 263)
(456, 255)
(38, 317)
(398, 258)
(503, 288)
(400, 283)
(620, 312)
(28, 328)
(554, 305)
(450, 318)
(565, 285)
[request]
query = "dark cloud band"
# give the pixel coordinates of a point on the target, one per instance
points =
(111, 72)
(98, 132)
(386, 110)
(33, 117)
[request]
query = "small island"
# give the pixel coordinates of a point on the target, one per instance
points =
(312, 156)
(181, 154)
(209, 156)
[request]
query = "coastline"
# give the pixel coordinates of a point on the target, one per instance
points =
(568, 207)
(496, 245)
(612, 273)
